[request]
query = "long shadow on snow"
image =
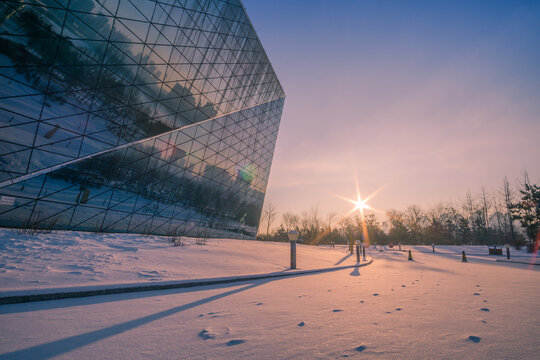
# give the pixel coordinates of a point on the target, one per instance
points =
(484, 259)
(62, 346)
(344, 258)
(99, 299)
(415, 264)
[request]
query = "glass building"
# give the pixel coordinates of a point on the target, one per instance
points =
(152, 117)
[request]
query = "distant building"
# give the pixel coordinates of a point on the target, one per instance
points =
(135, 116)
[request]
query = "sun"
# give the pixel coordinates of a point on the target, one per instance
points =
(360, 204)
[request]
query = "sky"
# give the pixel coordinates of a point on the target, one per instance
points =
(420, 101)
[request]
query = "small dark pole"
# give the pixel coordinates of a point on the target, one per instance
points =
(364, 252)
(399, 246)
(433, 246)
(357, 252)
(293, 254)
(293, 236)
(508, 252)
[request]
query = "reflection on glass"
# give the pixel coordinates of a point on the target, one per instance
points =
(134, 117)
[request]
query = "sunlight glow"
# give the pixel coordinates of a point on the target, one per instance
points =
(360, 205)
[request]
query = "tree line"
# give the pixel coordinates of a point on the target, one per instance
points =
(499, 217)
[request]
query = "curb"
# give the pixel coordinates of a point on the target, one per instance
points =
(16, 299)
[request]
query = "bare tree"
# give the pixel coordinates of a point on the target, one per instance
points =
(269, 215)
(508, 199)
(330, 218)
(315, 219)
(413, 220)
(485, 209)
(501, 231)
(304, 222)
(290, 220)
(397, 230)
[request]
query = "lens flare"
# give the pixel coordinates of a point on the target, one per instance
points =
(361, 205)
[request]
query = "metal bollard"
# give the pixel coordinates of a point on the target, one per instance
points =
(508, 253)
(364, 252)
(433, 246)
(293, 254)
(357, 253)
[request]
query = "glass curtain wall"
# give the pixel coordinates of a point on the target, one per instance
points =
(135, 116)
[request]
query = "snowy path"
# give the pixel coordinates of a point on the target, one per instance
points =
(435, 307)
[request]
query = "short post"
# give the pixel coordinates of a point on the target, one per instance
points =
(507, 251)
(364, 252)
(433, 246)
(399, 246)
(293, 236)
(357, 252)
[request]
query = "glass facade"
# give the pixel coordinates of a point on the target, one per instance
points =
(153, 117)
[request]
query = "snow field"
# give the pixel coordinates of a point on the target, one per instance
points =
(66, 259)
(434, 307)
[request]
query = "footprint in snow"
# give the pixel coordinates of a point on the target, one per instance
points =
(484, 321)
(301, 324)
(485, 309)
(403, 285)
(205, 335)
(360, 348)
(235, 342)
(214, 314)
(259, 303)
(337, 310)
(485, 301)
(361, 301)
(476, 294)
(375, 294)
(475, 339)
(399, 309)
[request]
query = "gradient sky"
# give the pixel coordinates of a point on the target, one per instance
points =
(429, 99)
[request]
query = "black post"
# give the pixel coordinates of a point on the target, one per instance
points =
(399, 246)
(357, 253)
(508, 253)
(433, 245)
(293, 254)
(364, 252)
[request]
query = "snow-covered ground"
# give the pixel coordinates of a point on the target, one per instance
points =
(435, 307)
(65, 259)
